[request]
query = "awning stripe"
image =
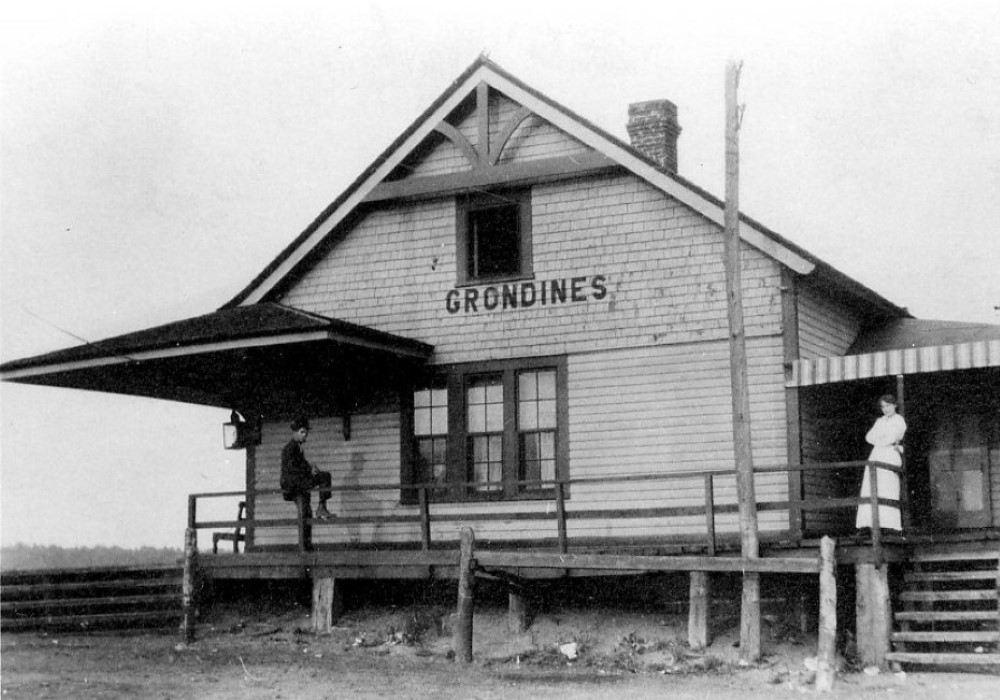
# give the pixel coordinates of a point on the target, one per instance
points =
(935, 358)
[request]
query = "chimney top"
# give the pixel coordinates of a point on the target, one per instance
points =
(653, 130)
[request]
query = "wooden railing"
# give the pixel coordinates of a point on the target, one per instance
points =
(540, 490)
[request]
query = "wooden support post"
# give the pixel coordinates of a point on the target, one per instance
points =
(750, 619)
(561, 516)
(826, 651)
(873, 612)
(518, 612)
(189, 583)
(425, 519)
(699, 614)
(876, 520)
(327, 604)
(750, 608)
(904, 485)
(462, 632)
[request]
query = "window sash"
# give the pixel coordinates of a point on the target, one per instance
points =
(508, 423)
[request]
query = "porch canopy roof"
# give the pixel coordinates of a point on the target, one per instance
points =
(905, 346)
(265, 354)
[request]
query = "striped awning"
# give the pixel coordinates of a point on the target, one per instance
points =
(885, 363)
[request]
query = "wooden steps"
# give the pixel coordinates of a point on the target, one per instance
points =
(949, 614)
(90, 599)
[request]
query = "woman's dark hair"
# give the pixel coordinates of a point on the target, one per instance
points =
(887, 398)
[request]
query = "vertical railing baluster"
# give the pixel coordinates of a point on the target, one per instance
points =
(561, 516)
(192, 511)
(710, 512)
(425, 518)
(876, 529)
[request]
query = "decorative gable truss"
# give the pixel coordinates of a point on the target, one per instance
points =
(489, 141)
(467, 141)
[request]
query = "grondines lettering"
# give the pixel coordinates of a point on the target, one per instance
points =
(524, 295)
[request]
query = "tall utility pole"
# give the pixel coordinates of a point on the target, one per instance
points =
(750, 608)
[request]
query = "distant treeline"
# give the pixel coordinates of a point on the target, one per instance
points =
(33, 556)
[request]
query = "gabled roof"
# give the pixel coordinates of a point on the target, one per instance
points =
(296, 256)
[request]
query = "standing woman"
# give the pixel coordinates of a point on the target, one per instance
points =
(885, 438)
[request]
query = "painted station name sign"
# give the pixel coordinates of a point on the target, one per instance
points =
(471, 300)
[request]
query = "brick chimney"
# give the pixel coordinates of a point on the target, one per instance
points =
(653, 129)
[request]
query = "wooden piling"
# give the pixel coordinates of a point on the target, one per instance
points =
(699, 620)
(826, 647)
(327, 604)
(462, 632)
(518, 613)
(188, 583)
(873, 613)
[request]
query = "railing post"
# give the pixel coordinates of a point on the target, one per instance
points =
(425, 518)
(876, 529)
(188, 583)
(710, 512)
(192, 512)
(462, 633)
(561, 516)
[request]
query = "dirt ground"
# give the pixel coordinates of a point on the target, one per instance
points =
(403, 651)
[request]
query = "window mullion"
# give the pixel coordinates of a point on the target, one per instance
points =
(511, 441)
(457, 460)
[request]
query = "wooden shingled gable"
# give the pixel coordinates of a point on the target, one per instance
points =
(467, 140)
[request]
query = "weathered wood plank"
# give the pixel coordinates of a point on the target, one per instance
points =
(97, 620)
(944, 615)
(944, 659)
(936, 636)
(645, 563)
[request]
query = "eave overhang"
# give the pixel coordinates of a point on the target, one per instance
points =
(239, 357)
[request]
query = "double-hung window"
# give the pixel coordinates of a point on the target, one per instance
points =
(494, 430)
(493, 241)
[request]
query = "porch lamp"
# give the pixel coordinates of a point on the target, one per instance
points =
(237, 433)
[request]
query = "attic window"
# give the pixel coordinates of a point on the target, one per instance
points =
(494, 237)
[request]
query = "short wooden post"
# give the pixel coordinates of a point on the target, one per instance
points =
(750, 618)
(327, 604)
(826, 648)
(518, 613)
(699, 620)
(188, 584)
(462, 633)
(873, 612)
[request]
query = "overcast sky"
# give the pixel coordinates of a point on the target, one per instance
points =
(154, 160)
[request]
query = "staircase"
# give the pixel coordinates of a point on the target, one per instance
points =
(89, 599)
(948, 613)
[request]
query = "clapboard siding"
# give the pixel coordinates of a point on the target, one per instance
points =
(647, 364)
(827, 328)
(662, 264)
(680, 421)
